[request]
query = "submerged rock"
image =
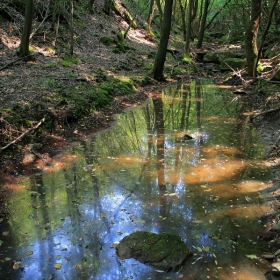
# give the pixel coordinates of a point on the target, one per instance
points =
(165, 251)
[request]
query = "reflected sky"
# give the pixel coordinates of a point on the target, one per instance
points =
(141, 174)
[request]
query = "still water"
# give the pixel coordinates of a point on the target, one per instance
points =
(141, 174)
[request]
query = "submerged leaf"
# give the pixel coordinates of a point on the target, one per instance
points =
(58, 265)
(252, 257)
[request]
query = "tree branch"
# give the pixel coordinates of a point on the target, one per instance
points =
(23, 134)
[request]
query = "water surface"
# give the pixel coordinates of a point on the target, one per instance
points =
(141, 174)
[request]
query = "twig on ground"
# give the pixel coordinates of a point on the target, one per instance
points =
(265, 112)
(23, 134)
(10, 63)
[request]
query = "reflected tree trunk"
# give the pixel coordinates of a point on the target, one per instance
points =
(159, 125)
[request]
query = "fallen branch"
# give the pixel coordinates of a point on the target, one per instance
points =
(40, 157)
(10, 63)
(265, 112)
(238, 74)
(23, 134)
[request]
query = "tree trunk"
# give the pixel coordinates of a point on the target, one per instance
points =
(224, 6)
(251, 37)
(189, 28)
(89, 6)
(151, 14)
(24, 43)
(107, 6)
(159, 10)
(266, 31)
(164, 37)
(71, 49)
(183, 14)
(202, 25)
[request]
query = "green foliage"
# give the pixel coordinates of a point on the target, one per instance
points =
(31, 49)
(106, 40)
(187, 59)
(139, 61)
(260, 68)
(69, 61)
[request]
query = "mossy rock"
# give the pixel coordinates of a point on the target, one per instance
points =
(211, 58)
(165, 251)
(276, 76)
(234, 63)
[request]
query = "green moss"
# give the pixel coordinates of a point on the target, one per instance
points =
(106, 40)
(139, 61)
(69, 61)
(187, 59)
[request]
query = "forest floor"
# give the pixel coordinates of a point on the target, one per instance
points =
(28, 87)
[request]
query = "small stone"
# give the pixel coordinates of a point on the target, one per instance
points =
(268, 256)
(275, 268)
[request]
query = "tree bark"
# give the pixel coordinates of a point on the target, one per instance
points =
(266, 31)
(71, 50)
(164, 38)
(202, 25)
(217, 14)
(89, 6)
(159, 10)
(151, 14)
(251, 37)
(24, 43)
(189, 27)
(183, 14)
(107, 6)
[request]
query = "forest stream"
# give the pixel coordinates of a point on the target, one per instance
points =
(187, 162)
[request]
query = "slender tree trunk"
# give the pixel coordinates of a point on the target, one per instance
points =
(24, 43)
(89, 6)
(107, 6)
(266, 31)
(183, 14)
(217, 14)
(151, 14)
(251, 37)
(189, 28)
(159, 10)
(164, 38)
(202, 25)
(71, 50)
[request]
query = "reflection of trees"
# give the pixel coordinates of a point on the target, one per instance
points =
(41, 214)
(159, 127)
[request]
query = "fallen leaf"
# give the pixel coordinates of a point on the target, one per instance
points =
(252, 257)
(199, 249)
(207, 249)
(58, 266)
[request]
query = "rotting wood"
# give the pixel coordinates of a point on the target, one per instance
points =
(22, 135)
